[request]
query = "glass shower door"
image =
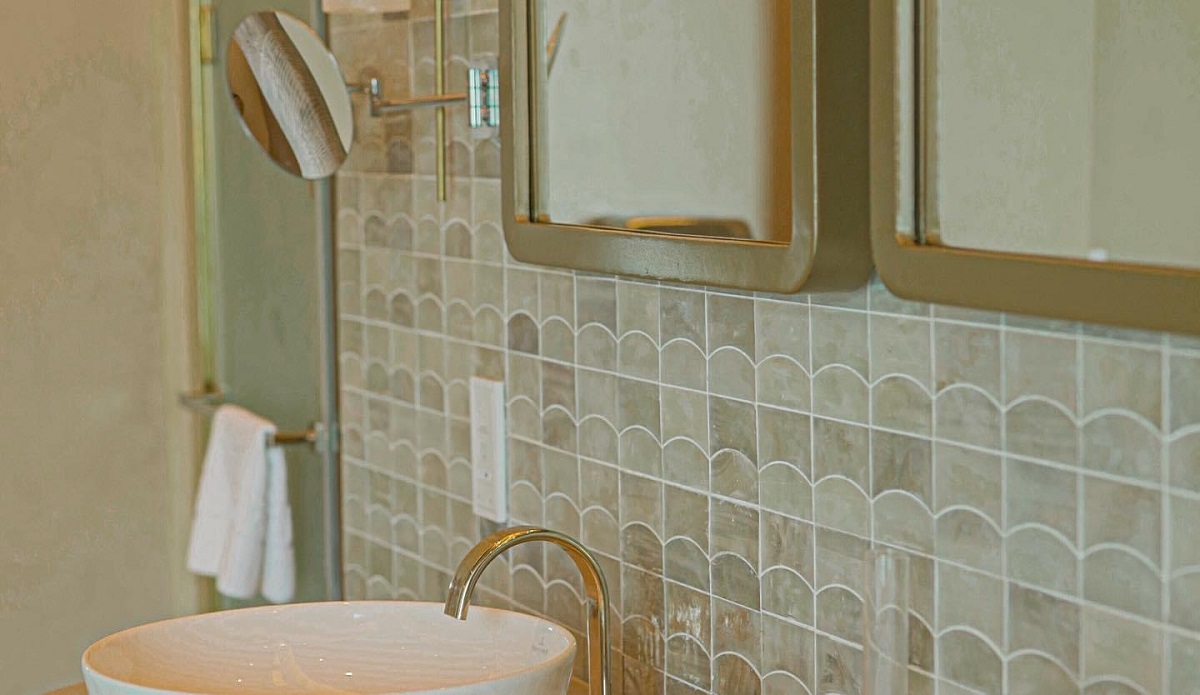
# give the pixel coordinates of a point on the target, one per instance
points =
(265, 297)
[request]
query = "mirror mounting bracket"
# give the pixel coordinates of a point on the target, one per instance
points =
(483, 98)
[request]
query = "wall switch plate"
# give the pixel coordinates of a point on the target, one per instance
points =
(489, 450)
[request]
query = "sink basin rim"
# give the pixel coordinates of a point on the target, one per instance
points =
(565, 654)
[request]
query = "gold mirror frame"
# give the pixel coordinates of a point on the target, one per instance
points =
(828, 251)
(1135, 296)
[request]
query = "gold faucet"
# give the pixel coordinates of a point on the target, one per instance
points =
(477, 560)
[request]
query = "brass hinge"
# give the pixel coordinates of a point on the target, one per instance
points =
(206, 34)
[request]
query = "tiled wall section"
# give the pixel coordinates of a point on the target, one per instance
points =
(732, 457)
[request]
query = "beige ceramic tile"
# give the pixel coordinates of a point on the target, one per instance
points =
(731, 374)
(1113, 577)
(686, 563)
(732, 426)
(1185, 664)
(971, 599)
(966, 537)
(839, 559)
(785, 489)
(1041, 365)
(734, 529)
(783, 383)
(736, 581)
(841, 505)
(1034, 674)
(683, 316)
(788, 652)
(638, 405)
(840, 613)
(1185, 601)
(1184, 520)
(898, 403)
(638, 356)
(904, 522)
(686, 463)
(1125, 515)
(737, 630)
(839, 667)
(640, 452)
(782, 328)
(734, 475)
(1043, 431)
(845, 451)
(557, 292)
(1185, 462)
(641, 502)
(901, 346)
(967, 355)
(1042, 623)
(638, 309)
(1121, 445)
(968, 661)
(731, 323)
(840, 338)
(1041, 495)
(682, 363)
(902, 463)
(1117, 649)
(787, 543)
(557, 341)
(970, 478)
(1124, 377)
(1184, 385)
(839, 392)
(967, 416)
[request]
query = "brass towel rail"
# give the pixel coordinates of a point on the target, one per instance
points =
(207, 402)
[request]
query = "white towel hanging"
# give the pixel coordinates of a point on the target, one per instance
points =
(242, 530)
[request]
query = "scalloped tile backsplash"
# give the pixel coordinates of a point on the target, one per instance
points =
(731, 457)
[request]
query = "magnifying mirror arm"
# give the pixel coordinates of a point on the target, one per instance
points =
(373, 88)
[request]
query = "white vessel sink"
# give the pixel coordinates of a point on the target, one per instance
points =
(369, 648)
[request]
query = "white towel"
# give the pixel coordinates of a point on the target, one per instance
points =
(242, 530)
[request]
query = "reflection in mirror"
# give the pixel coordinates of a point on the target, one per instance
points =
(667, 117)
(1064, 128)
(289, 91)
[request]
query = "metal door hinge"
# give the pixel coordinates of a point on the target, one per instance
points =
(205, 31)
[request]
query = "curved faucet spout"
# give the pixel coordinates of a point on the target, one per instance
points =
(477, 560)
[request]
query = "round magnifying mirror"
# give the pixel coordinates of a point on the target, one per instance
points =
(289, 91)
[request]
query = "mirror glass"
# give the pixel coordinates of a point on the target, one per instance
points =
(289, 91)
(1067, 128)
(667, 117)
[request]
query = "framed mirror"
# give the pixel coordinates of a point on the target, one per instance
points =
(702, 141)
(1039, 158)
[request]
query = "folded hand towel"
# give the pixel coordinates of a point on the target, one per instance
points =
(279, 557)
(242, 517)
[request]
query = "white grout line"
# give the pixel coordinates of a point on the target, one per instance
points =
(1166, 538)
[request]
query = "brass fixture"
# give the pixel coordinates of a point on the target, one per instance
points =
(477, 560)
(373, 88)
(207, 401)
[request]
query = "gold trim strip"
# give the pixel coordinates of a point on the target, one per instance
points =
(439, 50)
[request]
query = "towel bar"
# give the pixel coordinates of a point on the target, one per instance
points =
(207, 402)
